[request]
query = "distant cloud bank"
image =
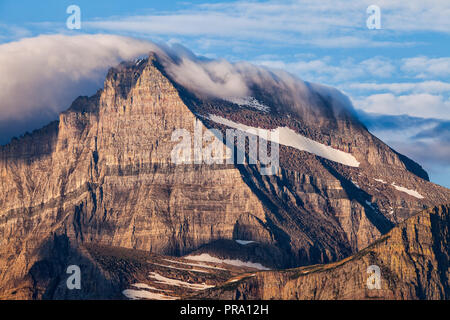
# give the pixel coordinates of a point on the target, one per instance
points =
(325, 23)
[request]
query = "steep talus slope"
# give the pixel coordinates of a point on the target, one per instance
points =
(413, 259)
(103, 174)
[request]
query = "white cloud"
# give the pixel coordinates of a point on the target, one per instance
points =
(415, 15)
(41, 76)
(268, 20)
(325, 23)
(415, 87)
(222, 79)
(419, 105)
(424, 67)
(323, 70)
(45, 74)
(216, 78)
(378, 66)
(12, 32)
(354, 42)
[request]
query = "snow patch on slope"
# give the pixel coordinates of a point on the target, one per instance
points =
(355, 184)
(244, 242)
(249, 102)
(413, 193)
(290, 138)
(234, 262)
(144, 294)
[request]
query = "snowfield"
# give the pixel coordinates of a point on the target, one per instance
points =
(144, 294)
(413, 193)
(290, 138)
(235, 262)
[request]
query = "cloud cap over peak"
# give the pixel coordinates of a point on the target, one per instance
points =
(45, 73)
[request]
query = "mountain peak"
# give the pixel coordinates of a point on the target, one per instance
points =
(105, 174)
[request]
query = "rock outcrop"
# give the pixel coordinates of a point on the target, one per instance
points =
(413, 259)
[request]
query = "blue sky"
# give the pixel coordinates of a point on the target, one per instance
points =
(397, 76)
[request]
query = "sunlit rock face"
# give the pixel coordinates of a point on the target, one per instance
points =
(104, 174)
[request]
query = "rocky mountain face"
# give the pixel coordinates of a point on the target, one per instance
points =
(103, 174)
(413, 259)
